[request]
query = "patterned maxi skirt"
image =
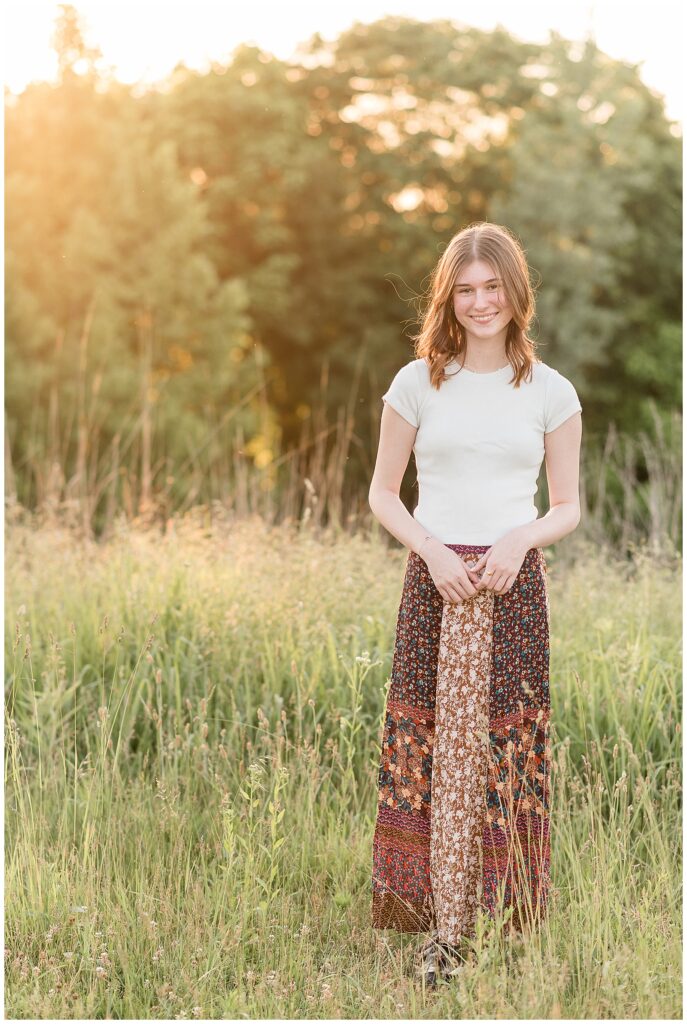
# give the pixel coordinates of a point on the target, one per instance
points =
(463, 786)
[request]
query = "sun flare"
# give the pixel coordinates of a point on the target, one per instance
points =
(135, 47)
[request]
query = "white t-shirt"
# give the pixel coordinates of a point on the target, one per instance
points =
(479, 445)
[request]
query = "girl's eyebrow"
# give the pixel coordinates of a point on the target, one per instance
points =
(490, 281)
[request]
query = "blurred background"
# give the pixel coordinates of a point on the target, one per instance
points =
(220, 224)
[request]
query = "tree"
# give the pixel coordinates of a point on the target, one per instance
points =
(297, 207)
(74, 56)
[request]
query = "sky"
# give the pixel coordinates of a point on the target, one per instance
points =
(143, 40)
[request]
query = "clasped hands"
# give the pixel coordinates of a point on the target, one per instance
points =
(496, 569)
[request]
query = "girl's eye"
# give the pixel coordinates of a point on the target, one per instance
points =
(467, 291)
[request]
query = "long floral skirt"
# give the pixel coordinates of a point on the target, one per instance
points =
(463, 788)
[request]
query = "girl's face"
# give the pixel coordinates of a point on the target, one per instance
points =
(480, 302)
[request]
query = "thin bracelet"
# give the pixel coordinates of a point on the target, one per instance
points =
(428, 536)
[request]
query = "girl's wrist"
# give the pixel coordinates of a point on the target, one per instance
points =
(426, 539)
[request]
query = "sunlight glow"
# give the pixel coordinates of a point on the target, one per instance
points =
(143, 41)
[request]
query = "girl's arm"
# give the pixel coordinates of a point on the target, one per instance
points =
(562, 448)
(396, 440)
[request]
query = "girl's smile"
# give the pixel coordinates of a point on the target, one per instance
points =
(481, 305)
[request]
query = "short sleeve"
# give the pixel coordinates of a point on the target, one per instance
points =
(403, 394)
(561, 401)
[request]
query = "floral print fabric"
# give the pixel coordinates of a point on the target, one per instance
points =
(460, 760)
(463, 796)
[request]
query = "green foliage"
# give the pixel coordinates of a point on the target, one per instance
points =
(237, 238)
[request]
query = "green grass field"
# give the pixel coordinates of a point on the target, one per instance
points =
(191, 739)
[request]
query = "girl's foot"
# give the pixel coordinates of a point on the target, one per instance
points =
(451, 959)
(430, 961)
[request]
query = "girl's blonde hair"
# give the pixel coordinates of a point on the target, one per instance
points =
(441, 337)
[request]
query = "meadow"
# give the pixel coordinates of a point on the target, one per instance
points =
(192, 727)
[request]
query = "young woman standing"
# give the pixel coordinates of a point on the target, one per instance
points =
(463, 812)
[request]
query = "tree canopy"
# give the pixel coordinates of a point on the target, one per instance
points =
(248, 227)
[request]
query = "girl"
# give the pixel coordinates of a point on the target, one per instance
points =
(463, 787)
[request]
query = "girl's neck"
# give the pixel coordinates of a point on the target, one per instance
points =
(483, 362)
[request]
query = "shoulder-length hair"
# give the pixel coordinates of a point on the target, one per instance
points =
(441, 337)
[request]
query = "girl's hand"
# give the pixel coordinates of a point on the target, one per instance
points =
(454, 580)
(501, 563)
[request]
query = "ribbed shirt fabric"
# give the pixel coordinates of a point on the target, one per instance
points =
(479, 445)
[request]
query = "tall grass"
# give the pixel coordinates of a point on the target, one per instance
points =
(69, 472)
(193, 725)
